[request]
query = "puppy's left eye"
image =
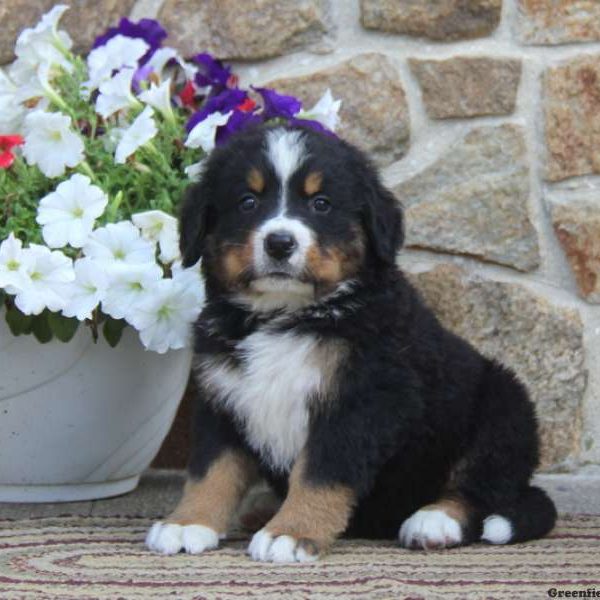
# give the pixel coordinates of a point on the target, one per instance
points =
(320, 204)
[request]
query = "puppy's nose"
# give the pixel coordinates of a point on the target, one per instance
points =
(280, 244)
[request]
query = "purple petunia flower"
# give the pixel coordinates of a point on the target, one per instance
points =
(238, 121)
(213, 72)
(149, 30)
(223, 103)
(277, 105)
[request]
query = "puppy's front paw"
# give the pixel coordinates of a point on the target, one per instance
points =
(429, 529)
(267, 547)
(171, 538)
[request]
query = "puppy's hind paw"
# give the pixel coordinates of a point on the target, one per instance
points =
(171, 538)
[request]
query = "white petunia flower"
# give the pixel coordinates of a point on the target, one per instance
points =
(141, 131)
(127, 286)
(159, 60)
(190, 277)
(120, 51)
(37, 49)
(67, 215)
(87, 291)
(115, 94)
(203, 134)
(12, 264)
(45, 277)
(194, 172)
(119, 243)
(164, 316)
(12, 112)
(50, 143)
(325, 111)
(159, 97)
(47, 29)
(157, 226)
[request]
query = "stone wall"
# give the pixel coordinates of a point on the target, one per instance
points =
(484, 116)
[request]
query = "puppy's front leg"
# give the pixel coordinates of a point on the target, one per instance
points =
(221, 470)
(206, 507)
(311, 518)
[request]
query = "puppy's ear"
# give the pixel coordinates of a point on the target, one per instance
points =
(193, 223)
(382, 217)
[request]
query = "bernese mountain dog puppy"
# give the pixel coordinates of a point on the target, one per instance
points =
(320, 368)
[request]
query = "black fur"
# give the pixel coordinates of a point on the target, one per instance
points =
(417, 409)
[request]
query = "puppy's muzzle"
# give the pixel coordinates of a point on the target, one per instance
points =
(280, 245)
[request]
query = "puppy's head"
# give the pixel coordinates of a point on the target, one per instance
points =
(283, 215)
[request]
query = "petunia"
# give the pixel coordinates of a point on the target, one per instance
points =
(238, 121)
(67, 215)
(224, 102)
(325, 111)
(194, 171)
(159, 97)
(116, 94)
(7, 143)
(141, 131)
(41, 46)
(44, 283)
(117, 53)
(86, 292)
(159, 227)
(161, 59)
(165, 314)
(203, 135)
(276, 105)
(148, 30)
(127, 285)
(118, 243)
(212, 72)
(12, 112)
(12, 264)
(50, 143)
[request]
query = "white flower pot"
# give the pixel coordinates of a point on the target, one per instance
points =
(82, 420)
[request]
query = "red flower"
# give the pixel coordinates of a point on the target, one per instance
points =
(247, 105)
(188, 94)
(7, 143)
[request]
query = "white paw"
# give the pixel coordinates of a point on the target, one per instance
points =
(430, 529)
(279, 549)
(497, 530)
(170, 538)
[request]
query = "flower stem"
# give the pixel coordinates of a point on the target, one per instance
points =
(87, 170)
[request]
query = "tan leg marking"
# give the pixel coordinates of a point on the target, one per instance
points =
(314, 515)
(453, 506)
(212, 500)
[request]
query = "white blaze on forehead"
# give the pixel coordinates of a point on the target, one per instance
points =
(286, 151)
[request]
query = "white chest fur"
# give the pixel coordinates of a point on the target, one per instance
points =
(279, 375)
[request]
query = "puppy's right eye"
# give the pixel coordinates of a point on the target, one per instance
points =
(247, 203)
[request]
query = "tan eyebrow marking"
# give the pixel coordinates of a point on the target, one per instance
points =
(312, 183)
(255, 180)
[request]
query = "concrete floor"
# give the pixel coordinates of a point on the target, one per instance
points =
(159, 491)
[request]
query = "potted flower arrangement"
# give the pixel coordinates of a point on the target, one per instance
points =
(95, 306)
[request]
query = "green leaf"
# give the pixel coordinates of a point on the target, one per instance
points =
(17, 322)
(41, 328)
(62, 327)
(113, 329)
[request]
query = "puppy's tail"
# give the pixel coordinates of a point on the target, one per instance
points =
(532, 516)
